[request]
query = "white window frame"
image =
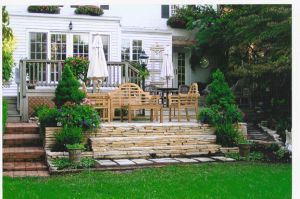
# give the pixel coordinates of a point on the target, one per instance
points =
(109, 57)
(130, 46)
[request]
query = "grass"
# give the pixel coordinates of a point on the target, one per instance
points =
(211, 180)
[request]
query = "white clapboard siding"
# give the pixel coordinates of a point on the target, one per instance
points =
(149, 39)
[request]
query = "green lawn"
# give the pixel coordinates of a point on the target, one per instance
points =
(214, 180)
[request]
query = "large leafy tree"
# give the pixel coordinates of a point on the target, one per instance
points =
(8, 46)
(252, 42)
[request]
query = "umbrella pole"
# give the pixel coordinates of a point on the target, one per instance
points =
(167, 82)
(94, 86)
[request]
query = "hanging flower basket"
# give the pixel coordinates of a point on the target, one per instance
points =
(89, 10)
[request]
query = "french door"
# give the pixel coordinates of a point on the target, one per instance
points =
(179, 68)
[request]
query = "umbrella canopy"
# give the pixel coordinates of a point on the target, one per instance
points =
(167, 70)
(98, 66)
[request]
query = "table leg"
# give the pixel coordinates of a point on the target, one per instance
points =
(151, 115)
(122, 117)
(161, 115)
(129, 114)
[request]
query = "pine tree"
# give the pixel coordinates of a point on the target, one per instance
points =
(68, 89)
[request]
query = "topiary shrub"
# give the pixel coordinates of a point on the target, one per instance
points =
(82, 116)
(177, 22)
(4, 114)
(68, 135)
(79, 67)
(44, 9)
(227, 135)
(67, 89)
(89, 10)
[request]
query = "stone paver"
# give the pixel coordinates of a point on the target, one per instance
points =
(164, 160)
(186, 160)
(141, 161)
(106, 163)
(222, 158)
(124, 162)
(204, 159)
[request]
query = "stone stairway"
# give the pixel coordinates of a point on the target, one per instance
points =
(257, 135)
(154, 140)
(23, 154)
(13, 113)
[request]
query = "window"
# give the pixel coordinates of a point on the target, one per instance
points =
(165, 11)
(38, 45)
(105, 7)
(58, 46)
(136, 49)
(81, 45)
(181, 69)
(125, 51)
(105, 42)
(173, 9)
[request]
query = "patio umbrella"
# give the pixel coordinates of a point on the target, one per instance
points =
(98, 66)
(167, 71)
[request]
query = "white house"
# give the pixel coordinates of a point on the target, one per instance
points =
(126, 30)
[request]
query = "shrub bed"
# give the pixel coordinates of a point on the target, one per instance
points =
(44, 9)
(64, 163)
(89, 10)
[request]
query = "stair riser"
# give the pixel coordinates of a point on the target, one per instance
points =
(22, 142)
(22, 130)
(25, 168)
(23, 157)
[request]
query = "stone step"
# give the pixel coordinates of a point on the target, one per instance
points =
(167, 151)
(23, 154)
(25, 173)
(10, 99)
(19, 140)
(24, 166)
(21, 128)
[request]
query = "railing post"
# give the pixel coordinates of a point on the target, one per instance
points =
(23, 82)
(126, 72)
(59, 70)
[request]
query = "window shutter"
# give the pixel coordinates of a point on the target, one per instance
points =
(105, 7)
(165, 11)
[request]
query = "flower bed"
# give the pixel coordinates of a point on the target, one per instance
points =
(44, 9)
(89, 10)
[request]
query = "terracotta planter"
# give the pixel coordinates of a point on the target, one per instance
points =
(75, 155)
(244, 150)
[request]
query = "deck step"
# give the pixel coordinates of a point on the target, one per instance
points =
(23, 154)
(19, 140)
(21, 128)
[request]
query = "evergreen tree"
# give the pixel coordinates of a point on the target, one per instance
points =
(68, 89)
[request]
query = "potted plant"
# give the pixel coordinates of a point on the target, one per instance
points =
(75, 151)
(244, 147)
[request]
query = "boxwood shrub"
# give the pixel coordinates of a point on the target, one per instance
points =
(44, 9)
(89, 10)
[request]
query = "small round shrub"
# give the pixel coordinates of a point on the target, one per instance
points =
(227, 135)
(79, 67)
(68, 135)
(83, 116)
(89, 10)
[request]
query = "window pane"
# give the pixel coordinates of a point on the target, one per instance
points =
(80, 45)
(58, 47)
(38, 45)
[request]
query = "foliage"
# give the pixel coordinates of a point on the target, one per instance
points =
(44, 9)
(275, 153)
(4, 114)
(217, 180)
(227, 135)
(79, 67)
(82, 116)
(143, 71)
(68, 135)
(67, 89)
(183, 16)
(75, 146)
(64, 163)
(8, 44)
(89, 10)
(47, 117)
(252, 42)
(253, 156)
(222, 109)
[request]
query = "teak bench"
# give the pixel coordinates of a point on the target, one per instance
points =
(131, 97)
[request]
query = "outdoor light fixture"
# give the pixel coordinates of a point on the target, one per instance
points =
(143, 59)
(70, 25)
